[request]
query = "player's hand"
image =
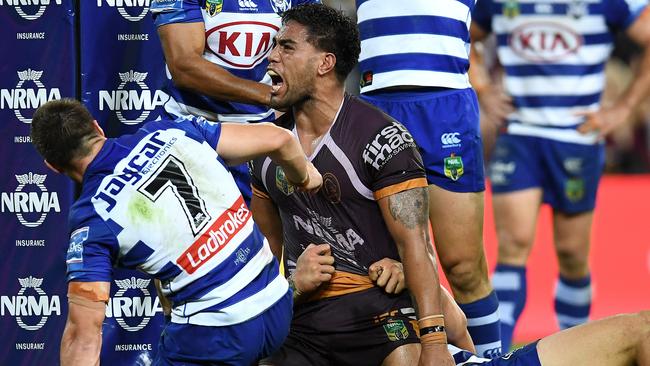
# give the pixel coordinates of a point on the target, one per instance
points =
(314, 180)
(388, 274)
(435, 355)
(603, 121)
(313, 267)
(496, 105)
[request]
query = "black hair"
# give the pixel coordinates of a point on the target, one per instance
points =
(329, 30)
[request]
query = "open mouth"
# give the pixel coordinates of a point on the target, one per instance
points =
(276, 81)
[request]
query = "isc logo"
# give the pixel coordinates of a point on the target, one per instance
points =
(122, 4)
(23, 97)
(242, 44)
(123, 99)
(29, 9)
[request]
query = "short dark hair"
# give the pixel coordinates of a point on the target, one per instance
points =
(331, 31)
(60, 131)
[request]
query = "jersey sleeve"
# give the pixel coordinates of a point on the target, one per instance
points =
(620, 14)
(91, 253)
(482, 14)
(175, 11)
(392, 162)
(210, 131)
(257, 183)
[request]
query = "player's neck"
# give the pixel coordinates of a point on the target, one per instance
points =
(316, 115)
(79, 166)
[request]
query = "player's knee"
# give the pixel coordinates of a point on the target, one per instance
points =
(572, 259)
(466, 276)
(514, 246)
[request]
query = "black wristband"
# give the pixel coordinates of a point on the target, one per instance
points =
(432, 329)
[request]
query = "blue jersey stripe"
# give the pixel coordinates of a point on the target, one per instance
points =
(136, 256)
(554, 70)
(268, 274)
(169, 270)
(415, 61)
(405, 25)
(222, 273)
(587, 39)
(536, 101)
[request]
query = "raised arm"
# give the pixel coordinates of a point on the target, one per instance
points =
(242, 142)
(183, 45)
(82, 336)
(406, 216)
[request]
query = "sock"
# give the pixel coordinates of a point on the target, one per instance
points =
(509, 282)
(483, 325)
(572, 301)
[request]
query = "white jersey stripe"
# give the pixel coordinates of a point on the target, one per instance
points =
(563, 135)
(452, 9)
(588, 55)
(555, 85)
(413, 43)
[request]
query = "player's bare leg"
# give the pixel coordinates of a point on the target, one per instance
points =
(573, 291)
(515, 216)
(615, 341)
(457, 223)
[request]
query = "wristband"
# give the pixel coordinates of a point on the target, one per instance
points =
(432, 329)
(432, 320)
(433, 338)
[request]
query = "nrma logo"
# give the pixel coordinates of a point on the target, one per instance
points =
(30, 302)
(35, 204)
(22, 98)
(123, 5)
(126, 100)
(29, 9)
(128, 308)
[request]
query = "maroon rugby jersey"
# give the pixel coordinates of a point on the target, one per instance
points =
(365, 156)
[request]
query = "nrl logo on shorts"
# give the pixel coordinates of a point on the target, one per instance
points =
(280, 6)
(23, 98)
(574, 189)
(18, 5)
(453, 167)
(396, 330)
(30, 302)
(122, 307)
(213, 7)
(282, 183)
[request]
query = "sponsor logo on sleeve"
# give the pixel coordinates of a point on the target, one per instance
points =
(390, 141)
(76, 248)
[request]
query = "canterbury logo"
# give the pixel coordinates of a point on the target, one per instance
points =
(450, 138)
(247, 4)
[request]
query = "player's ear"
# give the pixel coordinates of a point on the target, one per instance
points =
(98, 128)
(52, 167)
(328, 61)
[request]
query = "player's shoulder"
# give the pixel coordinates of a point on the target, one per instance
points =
(362, 117)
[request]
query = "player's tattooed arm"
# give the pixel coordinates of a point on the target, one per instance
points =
(410, 207)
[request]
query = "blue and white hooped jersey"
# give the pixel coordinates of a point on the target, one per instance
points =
(554, 54)
(238, 37)
(414, 42)
(160, 201)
